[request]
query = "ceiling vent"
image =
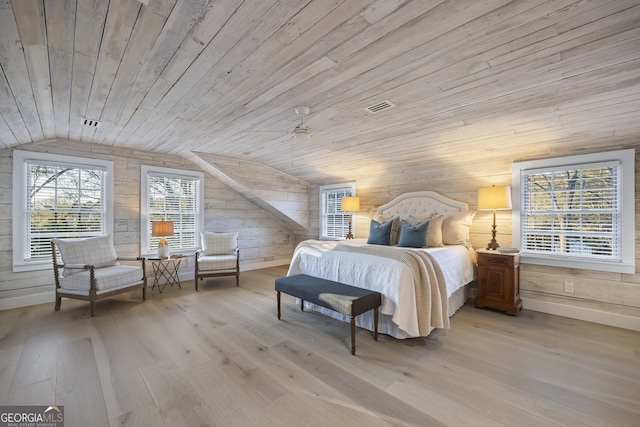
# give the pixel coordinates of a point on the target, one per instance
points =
(380, 106)
(91, 123)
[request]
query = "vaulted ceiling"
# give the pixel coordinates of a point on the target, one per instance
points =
(222, 77)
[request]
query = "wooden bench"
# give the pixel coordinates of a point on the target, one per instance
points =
(345, 299)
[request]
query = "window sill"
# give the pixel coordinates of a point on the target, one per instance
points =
(578, 263)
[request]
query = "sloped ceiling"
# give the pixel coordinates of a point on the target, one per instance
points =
(222, 78)
(285, 197)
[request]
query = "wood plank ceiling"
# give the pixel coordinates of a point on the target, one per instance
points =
(223, 77)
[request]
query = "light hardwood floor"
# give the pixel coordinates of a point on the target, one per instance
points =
(220, 357)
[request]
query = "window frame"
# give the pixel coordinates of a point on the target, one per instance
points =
(19, 198)
(626, 190)
(323, 189)
(145, 228)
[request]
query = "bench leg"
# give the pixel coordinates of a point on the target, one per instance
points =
(375, 323)
(278, 304)
(353, 335)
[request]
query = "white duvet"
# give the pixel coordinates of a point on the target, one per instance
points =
(392, 278)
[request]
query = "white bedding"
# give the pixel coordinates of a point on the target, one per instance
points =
(392, 278)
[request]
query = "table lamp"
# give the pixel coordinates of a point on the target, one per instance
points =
(162, 229)
(350, 204)
(494, 199)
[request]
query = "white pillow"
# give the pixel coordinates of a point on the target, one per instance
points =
(434, 233)
(455, 228)
(219, 243)
(96, 251)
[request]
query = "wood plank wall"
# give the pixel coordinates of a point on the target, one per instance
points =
(263, 240)
(601, 292)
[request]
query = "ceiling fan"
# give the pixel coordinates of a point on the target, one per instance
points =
(302, 130)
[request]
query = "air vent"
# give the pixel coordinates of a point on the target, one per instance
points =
(91, 123)
(380, 106)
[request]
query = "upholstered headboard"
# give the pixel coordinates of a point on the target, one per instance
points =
(421, 203)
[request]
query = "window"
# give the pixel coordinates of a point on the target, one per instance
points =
(172, 195)
(334, 224)
(57, 197)
(577, 211)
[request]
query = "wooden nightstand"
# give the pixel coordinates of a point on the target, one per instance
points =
(499, 281)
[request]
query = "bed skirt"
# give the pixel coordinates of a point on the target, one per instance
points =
(385, 323)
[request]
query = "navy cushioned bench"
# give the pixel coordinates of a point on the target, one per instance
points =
(345, 299)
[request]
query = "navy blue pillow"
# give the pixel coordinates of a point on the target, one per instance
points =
(413, 236)
(380, 234)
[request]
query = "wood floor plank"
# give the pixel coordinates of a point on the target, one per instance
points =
(147, 415)
(177, 400)
(15, 326)
(220, 356)
(122, 383)
(78, 385)
(9, 358)
(36, 362)
(356, 389)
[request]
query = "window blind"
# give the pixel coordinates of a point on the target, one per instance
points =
(63, 201)
(174, 198)
(573, 211)
(335, 222)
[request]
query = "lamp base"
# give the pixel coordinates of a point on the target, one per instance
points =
(163, 248)
(493, 244)
(349, 234)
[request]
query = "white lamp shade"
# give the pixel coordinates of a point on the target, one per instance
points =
(350, 204)
(494, 198)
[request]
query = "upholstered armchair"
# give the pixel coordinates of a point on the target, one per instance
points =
(219, 256)
(90, 270)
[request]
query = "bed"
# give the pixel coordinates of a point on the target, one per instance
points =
(421, 287)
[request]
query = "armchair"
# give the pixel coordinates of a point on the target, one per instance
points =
(218, 256)
(90, 271)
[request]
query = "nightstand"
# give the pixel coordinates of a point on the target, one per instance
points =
(499, 281)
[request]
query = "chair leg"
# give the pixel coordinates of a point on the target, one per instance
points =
(58, 301)
(93, 309)
(144, 293)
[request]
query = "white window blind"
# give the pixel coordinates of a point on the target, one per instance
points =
(57, 197)
(334, 222)
(574, 211)
(63, 201)
(174, 199)
(172, 195)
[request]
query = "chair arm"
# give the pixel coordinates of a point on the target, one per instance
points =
(78, 266)
(130, 258)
